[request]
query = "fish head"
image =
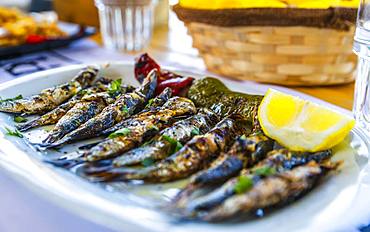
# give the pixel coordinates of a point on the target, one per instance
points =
(212, 117)
(150, 84)
(180, 104)
(87, 75)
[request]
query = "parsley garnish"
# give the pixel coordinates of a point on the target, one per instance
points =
(150, 102)
(121, 132)
(147, 162)
(176, 145)
(82, 92)
(147, 143)
(16, 132)
(244, 183)
(19, 119)
(124, 109)
(154, 127)
(12, 99)
(115, 87)
(195, 131)
(243, 137)
(264, 171)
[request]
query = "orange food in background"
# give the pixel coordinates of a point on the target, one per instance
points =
(18, 28)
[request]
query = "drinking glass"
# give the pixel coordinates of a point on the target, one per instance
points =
(361, 106)
(126, 25)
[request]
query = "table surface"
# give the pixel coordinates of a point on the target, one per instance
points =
(173, 44)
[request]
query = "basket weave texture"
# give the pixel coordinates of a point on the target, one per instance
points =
(292, 55)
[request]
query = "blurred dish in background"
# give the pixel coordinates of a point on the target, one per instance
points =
(18, 28)
(22, 33)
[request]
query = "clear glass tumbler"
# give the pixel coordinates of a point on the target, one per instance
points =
(126, 25)
(361, 105)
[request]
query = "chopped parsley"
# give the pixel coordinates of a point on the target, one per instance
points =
(148, 143)
(150, 102)
(16, 132)
(264, 171)
(115, 87)
(243, 137)
(118, 133)
(176, 145)
(195, 131)
(19, 119)
(124, 109)
(82, 92)
(154, 127)
(244, 183)
(12, 99)
(147, 162)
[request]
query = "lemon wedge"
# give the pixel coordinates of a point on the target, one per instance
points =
(301, 125)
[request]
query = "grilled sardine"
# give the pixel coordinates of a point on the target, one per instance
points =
(50, 98)
(53, 116)
(87, 108)
(140, 128)
(125, 106)
(160, 148)
(273, 190)
(153, 104)
(277, 161)
(245, 152)
(193, 156)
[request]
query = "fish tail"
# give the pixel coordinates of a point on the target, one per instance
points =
(183, 197)
(28, 125)
(53, 137)
(67, 161)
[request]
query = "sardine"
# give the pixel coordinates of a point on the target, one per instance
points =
(50, 98)
(87, 108)
(159, 100)
(153, 104)
(192, 157)
(125, 106)
(277, 161)
(53, 116)
(141, 128)
(245, 152)
(274, 190)
(160, 148)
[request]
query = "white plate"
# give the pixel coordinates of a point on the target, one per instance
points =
(340, 203)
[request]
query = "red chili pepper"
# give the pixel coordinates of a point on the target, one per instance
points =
(143, 65)
(35, 39)
(179, 85)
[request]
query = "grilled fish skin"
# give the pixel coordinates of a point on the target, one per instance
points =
(193, 156)
(50, 98)
(271, 191)
(281, 160)
(143, 126)
(125, 106)
(245, 152)
(53, 116)
(87, 108)
(161, 148)
(159, 100)
(155, 104)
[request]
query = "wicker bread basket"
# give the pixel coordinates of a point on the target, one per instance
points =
(285, 55)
